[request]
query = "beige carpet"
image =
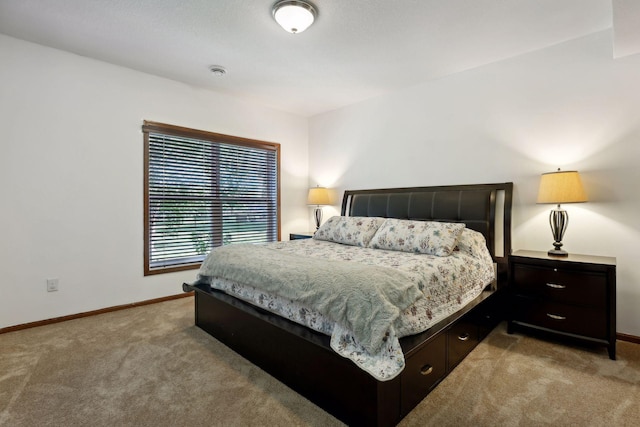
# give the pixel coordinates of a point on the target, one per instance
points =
(150, 366)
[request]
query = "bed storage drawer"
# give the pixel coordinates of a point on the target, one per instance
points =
(423, 370)
(488, 315)
(462, 338)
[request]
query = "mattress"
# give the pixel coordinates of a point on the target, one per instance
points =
(448, 283)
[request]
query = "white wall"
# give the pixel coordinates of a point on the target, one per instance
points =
(71, 172)
(71, 161)
(570, 106)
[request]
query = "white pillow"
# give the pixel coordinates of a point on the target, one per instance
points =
(349, 230)
(424, 237)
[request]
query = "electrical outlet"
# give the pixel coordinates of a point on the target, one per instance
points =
(52, 285)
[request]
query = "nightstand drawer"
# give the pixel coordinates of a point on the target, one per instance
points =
(560, 285)
(589, 322)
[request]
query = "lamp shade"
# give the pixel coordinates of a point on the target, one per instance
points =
(294, 16)
(561, 187)
(318, 196)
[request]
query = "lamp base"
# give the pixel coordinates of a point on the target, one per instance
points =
(318, 216)
(557, 252)
(558, 220)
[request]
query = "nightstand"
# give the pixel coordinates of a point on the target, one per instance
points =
(573, 296)
(303, 235)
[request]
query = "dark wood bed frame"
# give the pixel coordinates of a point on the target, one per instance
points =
(302, 358)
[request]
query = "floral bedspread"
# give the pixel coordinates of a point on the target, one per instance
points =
(447, 284)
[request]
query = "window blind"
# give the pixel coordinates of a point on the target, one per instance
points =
(205, 190)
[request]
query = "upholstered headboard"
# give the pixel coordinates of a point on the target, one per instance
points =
(485, 208)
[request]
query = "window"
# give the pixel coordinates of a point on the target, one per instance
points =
(203, 190)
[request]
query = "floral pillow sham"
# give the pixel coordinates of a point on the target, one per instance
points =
(424, 237)
(349, 230)
(473, 243)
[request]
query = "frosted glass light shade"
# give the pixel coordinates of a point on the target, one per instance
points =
(294, 16)
(561, 187)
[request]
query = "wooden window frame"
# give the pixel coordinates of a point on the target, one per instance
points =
(172, 130)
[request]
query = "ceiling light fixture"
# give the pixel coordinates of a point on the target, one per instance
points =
(294, 16)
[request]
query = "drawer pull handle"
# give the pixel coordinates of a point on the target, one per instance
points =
(426, 370)
(554, 286)
(464, 336)
(556, 317)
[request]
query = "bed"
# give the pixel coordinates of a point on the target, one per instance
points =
(304, 359)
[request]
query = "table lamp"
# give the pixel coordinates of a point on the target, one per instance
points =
(318, 196)
(560, 187)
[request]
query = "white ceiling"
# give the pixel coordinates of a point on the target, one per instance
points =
(357, 49)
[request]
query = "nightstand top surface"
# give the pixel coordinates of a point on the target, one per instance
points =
(590, 259)
(301, 235)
